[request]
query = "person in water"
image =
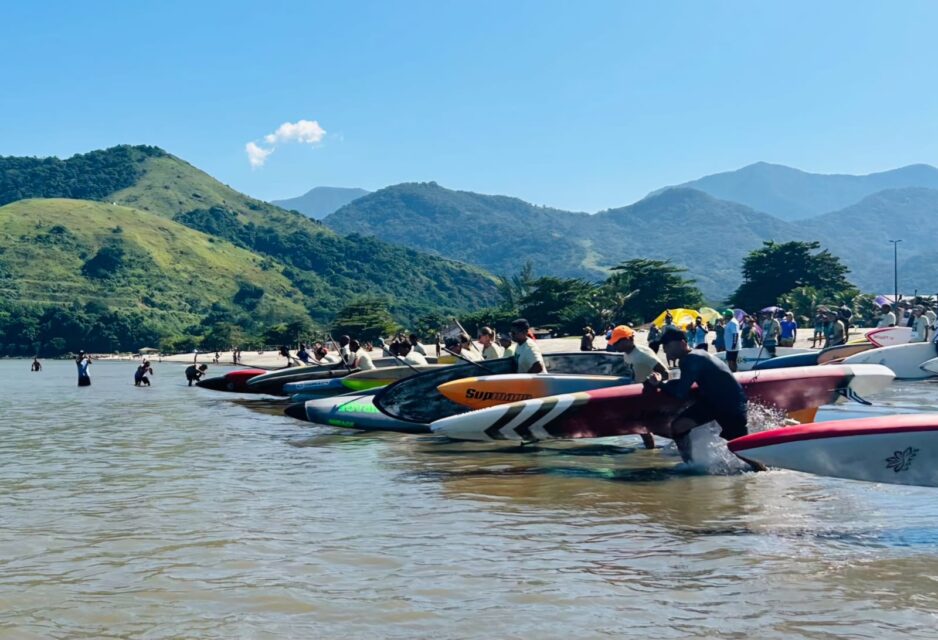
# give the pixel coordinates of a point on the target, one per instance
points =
(527, 353)
(36, 366)
(140, 376)
(194, 373)
(720, 397)
(641, 360)
(83, 361)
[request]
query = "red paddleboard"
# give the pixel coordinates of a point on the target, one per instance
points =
(232, 381)
(900, 449)
(633, 409)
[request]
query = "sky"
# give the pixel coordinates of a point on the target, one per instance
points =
(582, 106)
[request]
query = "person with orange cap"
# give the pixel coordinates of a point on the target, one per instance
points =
(641, 360)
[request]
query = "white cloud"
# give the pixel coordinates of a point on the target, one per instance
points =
(301, 131)
(257, 156)
(304, 131)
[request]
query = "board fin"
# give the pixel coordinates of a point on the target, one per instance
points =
(804, 416)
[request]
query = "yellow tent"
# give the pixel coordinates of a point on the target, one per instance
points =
(709, 314)
(682, 317)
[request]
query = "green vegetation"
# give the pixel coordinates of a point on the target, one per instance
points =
(776, 270)
(188, 259)
(365, 319)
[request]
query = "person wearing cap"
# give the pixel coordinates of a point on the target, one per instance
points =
(507, 345)
(919, 324)
(490, 349)
(789, 330)
(771, 332)
(527, 354)
(731, 339)
(720, 397)
(642, 361)
(83, 361)
(887, 318)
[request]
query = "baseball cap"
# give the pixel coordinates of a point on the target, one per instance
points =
(621, 332)
(728, 313)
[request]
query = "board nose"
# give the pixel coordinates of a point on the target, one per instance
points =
(297, 410)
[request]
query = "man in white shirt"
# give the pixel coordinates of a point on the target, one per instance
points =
(417, 347)
(344, 351)
(359, 358)
(527, 354)
(731, 338)
(409, 355)
(888, 318)
(641, 360)
(919, 325)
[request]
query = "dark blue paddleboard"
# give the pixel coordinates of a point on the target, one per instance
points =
(352, 411)
(783, 362)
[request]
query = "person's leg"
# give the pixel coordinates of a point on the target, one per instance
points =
(648, 440)
(731, 357)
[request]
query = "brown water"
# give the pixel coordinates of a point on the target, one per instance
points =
(173, 512)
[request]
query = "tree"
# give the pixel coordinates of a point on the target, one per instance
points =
(365, 319)
(561, 303)
(776, 269)
(640, 289)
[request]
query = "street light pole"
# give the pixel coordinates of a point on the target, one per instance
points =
(895, 270)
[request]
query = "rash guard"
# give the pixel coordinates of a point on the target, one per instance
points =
(718, 387)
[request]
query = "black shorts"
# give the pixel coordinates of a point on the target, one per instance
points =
(731, 356)
(731, 425)
(702, 346)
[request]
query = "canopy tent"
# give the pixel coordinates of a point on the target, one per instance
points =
(682, 317)
(148, 350)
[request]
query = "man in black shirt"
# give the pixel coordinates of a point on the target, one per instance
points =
(720, 397)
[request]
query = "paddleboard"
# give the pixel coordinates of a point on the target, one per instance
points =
(931, 366)
(491, 391)
(751, 356)
(889, 336)
(634, 409)
(905, 360)
(315, 386)
(782, 362)
(840, 352)
(373, 378)
(352, 411)
(235, 381)
(416, 398)
(901, 449)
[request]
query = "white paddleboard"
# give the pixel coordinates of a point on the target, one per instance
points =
(901, 449)
(889, 336)
(905, 360)
(750, 357)
(931, 366)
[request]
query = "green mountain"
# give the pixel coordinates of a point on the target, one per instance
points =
(860, 234)
(319, 202)
(791, 194)
(694, 230)
(322, 271)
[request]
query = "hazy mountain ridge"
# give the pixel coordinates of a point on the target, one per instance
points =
(319, 202)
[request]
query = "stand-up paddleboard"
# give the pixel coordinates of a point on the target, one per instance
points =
(352, 411)
(491, 391)
(232, 381)
(889, 336)
(899, 449)
(830, 354)
(634, 409)
(315, 386)
(274, 385)
(931, 366)
(416, 398)
(751, 356)
(905, 360)
(782, 362)
(374, 378)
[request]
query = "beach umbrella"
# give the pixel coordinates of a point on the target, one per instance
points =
(771, 310)
(148, 350)
(682, 317)
(709, 314)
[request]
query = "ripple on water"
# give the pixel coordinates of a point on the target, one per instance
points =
(175, 512)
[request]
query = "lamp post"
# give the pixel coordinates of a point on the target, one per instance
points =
(895, 270)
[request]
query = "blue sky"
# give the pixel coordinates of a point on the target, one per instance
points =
(576, 105)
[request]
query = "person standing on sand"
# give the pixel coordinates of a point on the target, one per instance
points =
(789, 330)
(507, 345)
(36, 366)
(345, 351)
(719, 340)
(771, 331)
(919, 325)
(732, 335)
(654, 334)
(837, 334)
(406, 352)
(700, 337)
(83, 362)
(527, 353)
(586, 341)
(360, 359)
(416, 346)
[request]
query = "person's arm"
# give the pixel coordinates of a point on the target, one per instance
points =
(661, 370)
(537, 367)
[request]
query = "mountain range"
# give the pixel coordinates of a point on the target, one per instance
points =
(319, 202)
(709, 236)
